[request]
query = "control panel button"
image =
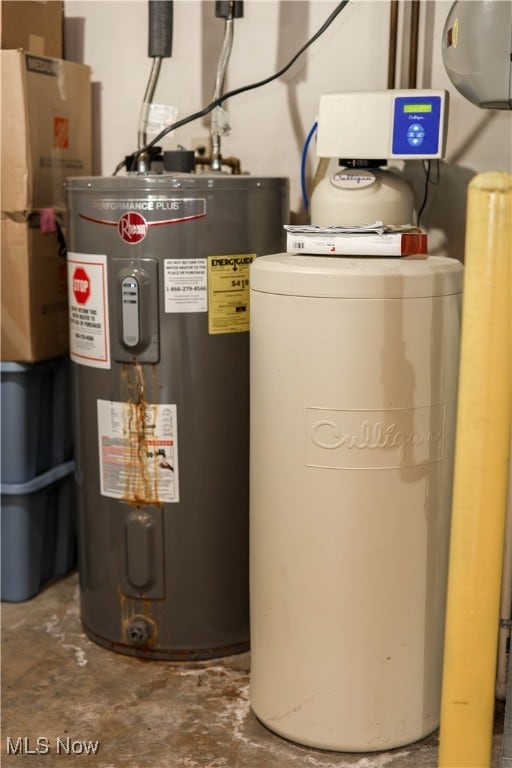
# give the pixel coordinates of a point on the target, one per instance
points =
(415, 135)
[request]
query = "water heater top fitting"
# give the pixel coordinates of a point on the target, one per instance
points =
(382, 125)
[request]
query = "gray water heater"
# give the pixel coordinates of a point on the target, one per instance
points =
(158, 275)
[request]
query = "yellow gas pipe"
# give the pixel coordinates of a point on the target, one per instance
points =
(480, 478)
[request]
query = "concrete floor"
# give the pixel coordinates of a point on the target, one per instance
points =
(58, 685)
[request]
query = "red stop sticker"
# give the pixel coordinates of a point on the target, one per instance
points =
(81, 285)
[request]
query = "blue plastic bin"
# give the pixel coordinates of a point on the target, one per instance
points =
(36, 418)
(38, 532)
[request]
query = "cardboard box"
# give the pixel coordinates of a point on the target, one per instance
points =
(35, 26)
(33, 292)
(46, 129)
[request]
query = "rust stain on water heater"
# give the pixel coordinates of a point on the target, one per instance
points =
(141, 464)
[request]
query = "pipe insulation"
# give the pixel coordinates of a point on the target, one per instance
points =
(229, 9)
(160, 20)
(160, 17)
(480, 478)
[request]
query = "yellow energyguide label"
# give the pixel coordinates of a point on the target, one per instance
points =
(228, 293)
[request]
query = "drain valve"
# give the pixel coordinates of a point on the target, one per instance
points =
(139, 631)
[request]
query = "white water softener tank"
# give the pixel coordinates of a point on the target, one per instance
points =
(353, 396)
(361, 195)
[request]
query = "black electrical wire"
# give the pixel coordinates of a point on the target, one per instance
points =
(217, 102)
(428, 180)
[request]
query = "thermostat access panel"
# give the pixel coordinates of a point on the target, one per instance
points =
(401, 124)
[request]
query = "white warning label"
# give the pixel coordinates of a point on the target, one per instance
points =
(186, 288)
(138, 452)
(88, 310)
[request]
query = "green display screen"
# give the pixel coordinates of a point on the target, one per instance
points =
(417, 107)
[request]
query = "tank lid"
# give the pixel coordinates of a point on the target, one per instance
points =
(356, 278)
(168, 183)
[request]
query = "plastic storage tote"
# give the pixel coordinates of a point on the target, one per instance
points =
(38, 532)
(36, 418)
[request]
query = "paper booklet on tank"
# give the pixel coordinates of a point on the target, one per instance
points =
(376, 239)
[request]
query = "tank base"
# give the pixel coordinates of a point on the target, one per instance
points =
(345, 744)
(162, 654)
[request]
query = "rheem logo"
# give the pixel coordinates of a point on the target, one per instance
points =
(132, 227)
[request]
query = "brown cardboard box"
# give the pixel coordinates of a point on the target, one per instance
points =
(33, 25)
(46, 136)
(46, 129)
(33, 292)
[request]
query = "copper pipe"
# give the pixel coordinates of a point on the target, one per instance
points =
(393, 35)
(413, 45)
(234, 164)
(215, 153)
(148, 100)
(231, 162)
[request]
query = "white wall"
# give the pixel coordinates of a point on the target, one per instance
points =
(269, 125)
